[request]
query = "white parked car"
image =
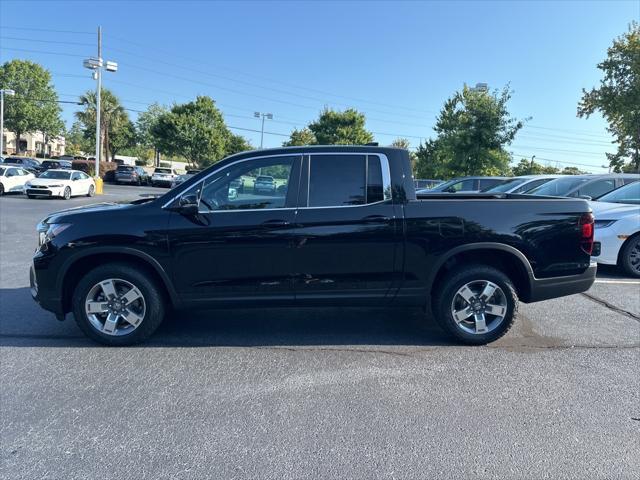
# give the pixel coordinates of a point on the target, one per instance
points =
(163, 176)
(13, 179)
(61, 183)
(618, 228)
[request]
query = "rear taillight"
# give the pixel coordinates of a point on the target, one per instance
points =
(586, 232)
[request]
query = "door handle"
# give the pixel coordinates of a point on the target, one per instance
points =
(275, 223)
(375, 219)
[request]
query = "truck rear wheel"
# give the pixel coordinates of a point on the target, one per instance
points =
(117, 305)
(476, 305)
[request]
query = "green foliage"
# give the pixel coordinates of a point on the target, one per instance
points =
(145, 123)
(527, 167)
(340, 128)
(300, 138)
(195, 130)
(472, 130)
(116, 129)
(618, 98)
(572, 171)
(76, 142)
(34, 107)
(237, 144)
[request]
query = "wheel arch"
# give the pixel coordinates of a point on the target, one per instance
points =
(511, 261)
(79, 265)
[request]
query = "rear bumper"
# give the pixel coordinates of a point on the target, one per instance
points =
(546, 288)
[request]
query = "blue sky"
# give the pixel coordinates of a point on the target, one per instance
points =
(395, 61)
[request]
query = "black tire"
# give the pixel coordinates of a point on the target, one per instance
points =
(139, 182)
(67, 193)
(31, 196)
(92, 191)
(630, 257)
(155, 308)
(1, 189)
(445, 293)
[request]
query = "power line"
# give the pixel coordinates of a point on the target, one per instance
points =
(43, 52)
(6, 27)
(60, 42)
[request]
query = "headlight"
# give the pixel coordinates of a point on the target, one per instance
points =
(604, 223)
(28, 184)
(56, 185)
(47, 232)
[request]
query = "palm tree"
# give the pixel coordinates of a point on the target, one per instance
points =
(112, 116)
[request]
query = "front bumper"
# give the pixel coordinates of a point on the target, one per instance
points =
(52, 304)
(45, 191)
(553, 287)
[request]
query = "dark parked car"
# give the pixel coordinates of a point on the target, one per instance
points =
(30, 164)
(264, 184)
(466, 184)
(55, 165)
(589, 187)
(347, 229)
(129, 174)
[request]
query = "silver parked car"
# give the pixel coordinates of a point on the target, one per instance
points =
(589, 187)
(522, 184)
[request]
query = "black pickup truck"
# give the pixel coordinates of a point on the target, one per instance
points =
(343, 227)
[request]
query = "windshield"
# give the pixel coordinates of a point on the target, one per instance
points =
(264, 179)
(506, 186)
(627, 194)
(124, 169)
(443, 186)
(559, 187)
(162, 170)
(56, 174)
(2, 170)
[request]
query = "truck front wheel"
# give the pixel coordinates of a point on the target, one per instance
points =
(476, 304)
(116, 304)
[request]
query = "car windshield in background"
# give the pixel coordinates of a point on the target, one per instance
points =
(559, 187)
(508, 185)
(125, 168)
(55, 174)
(162, 170)
(627, 194)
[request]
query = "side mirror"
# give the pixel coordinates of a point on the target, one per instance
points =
(188, 204)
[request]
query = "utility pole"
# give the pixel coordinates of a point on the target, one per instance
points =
(98, 95)
(263, 115)
(531, 167)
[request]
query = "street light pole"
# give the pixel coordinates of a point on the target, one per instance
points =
(263, 115)
(96, 65)
(3, 92)
(98, 95)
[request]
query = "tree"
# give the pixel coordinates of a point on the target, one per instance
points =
(527, 167)
(195, 130)
(116, 129)
(572, 171)
(75, 141)
(147, 120)
(237, 144)
(401, 143)
(340, 128)
(300, 138)
(618, 98)
(472, 129)
(34, 107)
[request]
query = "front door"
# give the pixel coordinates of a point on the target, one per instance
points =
(238, 246)
(346, 242)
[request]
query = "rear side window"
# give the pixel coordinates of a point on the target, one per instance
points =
(375, 183)
(489, 182)
(597, 189)
(337, 180)
(531, 185)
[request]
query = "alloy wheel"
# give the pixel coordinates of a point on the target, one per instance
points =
(479, 307)
(115, 307)
(634, 257)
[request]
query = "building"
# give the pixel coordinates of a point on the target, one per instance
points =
(32, 144)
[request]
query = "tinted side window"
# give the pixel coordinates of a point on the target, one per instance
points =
(76, 176)
(488, 183)
(626, 181)
(597, 189)
(463, 186)
(375, 184)
(337, 180)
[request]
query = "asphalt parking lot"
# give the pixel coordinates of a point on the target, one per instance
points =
(317, 393)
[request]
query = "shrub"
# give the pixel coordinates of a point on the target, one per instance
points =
(141, 163)
(107, 169)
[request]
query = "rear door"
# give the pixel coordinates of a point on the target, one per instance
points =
(347, 229)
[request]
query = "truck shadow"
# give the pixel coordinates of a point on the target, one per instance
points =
(25, 324)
